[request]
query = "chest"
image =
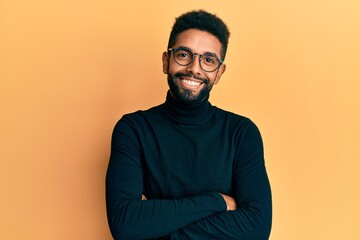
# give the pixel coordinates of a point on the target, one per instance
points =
(185, 161)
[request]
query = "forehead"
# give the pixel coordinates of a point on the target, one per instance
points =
(199, 41)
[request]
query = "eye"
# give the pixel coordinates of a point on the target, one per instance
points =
(209, 60)
(182, 54)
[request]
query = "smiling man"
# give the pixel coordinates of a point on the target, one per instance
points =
(186, 169)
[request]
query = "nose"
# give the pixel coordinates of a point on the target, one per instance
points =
(194, 67)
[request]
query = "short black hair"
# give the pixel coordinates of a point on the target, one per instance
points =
(204, 21)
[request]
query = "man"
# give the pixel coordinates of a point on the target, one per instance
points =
(186, 169)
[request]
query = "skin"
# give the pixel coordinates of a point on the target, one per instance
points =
(199, 42)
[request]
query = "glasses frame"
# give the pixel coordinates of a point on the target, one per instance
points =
(174, 50)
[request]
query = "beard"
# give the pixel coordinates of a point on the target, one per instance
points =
(188, 96)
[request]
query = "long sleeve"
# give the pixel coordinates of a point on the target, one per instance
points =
(252, 219)
(131, 218)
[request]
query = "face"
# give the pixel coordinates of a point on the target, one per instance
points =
(190, 84)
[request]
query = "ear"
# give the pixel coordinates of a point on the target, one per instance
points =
(219, 73)
(165, 61)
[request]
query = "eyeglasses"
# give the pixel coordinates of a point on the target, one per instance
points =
(184, 56)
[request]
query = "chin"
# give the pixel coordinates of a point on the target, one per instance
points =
(187, 96)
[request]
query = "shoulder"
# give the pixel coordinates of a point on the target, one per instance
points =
(244, 133)
(139, 117)
(234, 118)
(239, 127)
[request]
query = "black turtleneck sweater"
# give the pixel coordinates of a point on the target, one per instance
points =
(181, 157)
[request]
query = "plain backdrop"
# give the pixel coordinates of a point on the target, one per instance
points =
(70, 69)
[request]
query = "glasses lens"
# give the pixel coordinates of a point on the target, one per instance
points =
(183, 56)
(209, 62)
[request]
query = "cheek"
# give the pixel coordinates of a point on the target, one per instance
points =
(175, 68)
(212, 78)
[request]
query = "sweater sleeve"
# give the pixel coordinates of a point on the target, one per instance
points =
(252, 219)
(129, 217)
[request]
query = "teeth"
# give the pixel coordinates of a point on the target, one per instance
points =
(191, 83)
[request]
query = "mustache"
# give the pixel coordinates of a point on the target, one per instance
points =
(179, 75)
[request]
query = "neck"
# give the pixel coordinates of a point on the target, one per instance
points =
(193, 112)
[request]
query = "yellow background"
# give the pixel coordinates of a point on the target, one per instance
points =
(70, 69)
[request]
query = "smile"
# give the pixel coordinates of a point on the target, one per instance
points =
(191, 83)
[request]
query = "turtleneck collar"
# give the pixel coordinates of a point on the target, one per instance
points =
(191, 113)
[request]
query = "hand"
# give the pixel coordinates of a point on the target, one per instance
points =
(143, 197)
(230, 202)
